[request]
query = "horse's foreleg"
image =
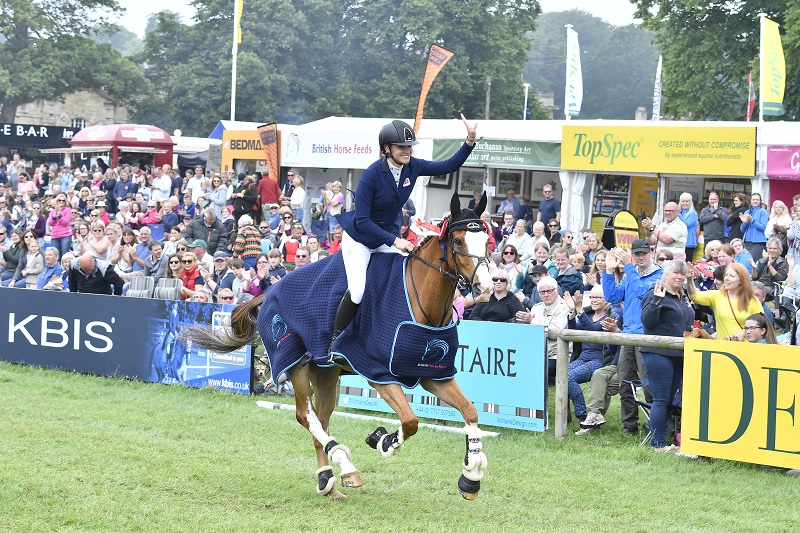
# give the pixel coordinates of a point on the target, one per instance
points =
(386, 442)
(326, 481)
(475, 462)
(325, 382)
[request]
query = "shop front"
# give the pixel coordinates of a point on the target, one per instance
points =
(29, 140)
(639, 168)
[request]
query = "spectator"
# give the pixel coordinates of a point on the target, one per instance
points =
(591, 357)
(538, 234)
(219, 195)
(631, 289)
(334, 206)
(725, 255)
(162, 184)
(502, 305)
(174, 267)
(228, 222)
(245, 196)
(526, 285)
(551, 312)
(761, 295)
(209, 229)
(11, 255)
(519, 238)
(241, 280)
(269, 192)
(34, 264)
(665, 312)
(60, 223)
(773, 269)
(168, 217)
(567, 276)
(549, 207)
(476, 198)
(290, 246)
(312, 243)
(202, 296)
(336, 244)
(102, 210)
(248, 242)
(753, 225)
(51, 269)
(199, 248)
(590, 247)
(267, 239)
(525, 212)
(566, 241)
(794, 232)
(151, 216)
(37, 222)
(142, 249)
(221, 277)
(190, 275)
(758, 330)
(780, 220)
(732, 304)
(225, 296)
(508, 226)
(302, 257)
(509, 260)
(193, 185)
(742, 256)
(122, 257)
(298, 198)
(595, 276)
(713, 218)
(273, 270)
(670, 234)
(604, 384)
(123, 187)
(60, 283)
(187, 208)
(539, 254)
(711, 251)
(406, 232)
(88, 274)
(553, 233)
(273, 219)
(156, 264)
(492, 225)
(792, 289)
(511, 203)
(688, 216)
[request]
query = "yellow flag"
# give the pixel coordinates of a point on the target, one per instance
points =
(437, 57)
(773, 68)
(238, 20)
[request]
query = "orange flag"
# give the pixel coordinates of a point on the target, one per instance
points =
(269, 142)
(437, 57)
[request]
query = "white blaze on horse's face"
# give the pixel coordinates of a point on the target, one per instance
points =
(476, 245)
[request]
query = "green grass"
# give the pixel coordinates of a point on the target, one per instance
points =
(84, 453)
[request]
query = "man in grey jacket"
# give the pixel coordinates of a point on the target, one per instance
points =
(713, 217)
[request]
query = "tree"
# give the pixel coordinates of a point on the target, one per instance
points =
(124, 41)
(45, 54)
(709, 48)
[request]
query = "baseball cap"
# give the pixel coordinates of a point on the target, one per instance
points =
(198, 242)
(539, 269)
(219, 255)
(640, 245)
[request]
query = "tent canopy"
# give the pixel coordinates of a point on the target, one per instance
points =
(123, 134)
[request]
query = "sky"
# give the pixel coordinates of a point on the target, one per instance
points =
(616, 12)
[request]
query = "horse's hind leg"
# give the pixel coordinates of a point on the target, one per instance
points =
(380, 439)
(325, 381)
(326, 481)
(475, 460)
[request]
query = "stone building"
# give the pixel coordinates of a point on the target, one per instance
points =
(77, 110)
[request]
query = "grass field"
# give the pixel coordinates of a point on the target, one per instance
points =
(84, 453)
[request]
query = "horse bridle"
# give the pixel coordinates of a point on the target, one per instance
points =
(473, 225)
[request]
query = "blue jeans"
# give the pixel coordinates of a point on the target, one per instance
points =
(665, 375)
(580, 372)
(62, 244)
(20, 283)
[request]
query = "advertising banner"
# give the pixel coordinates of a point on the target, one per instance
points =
(328, 148)
(29, 136)
(269, 142)
(118, 336)
(773, 68)
(783, 162)
(437, 59)
(501, 369)
(740, 401)
(574, 88)
(240, 144)
(724, 151)
(657, 91)
(503, 153)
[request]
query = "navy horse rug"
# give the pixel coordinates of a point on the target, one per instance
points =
(384, 343)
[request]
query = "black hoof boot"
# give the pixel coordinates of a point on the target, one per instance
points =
(468, 488)
(374, 437)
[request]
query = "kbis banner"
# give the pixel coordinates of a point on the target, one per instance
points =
(723, 151)
(501, 369)
(783, 162)
(740, 402)
(117, 336)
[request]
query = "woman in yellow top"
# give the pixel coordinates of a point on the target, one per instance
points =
(732, 304)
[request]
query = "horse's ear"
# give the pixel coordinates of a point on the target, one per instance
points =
(481, 207)
(455, 204)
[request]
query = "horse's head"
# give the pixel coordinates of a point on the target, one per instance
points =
(467, 237)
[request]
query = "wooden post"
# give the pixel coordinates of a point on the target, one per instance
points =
(562, 388)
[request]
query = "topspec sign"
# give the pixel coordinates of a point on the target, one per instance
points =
(329, 149)
(783, 162)
(668, 150)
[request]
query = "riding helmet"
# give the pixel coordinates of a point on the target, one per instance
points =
(397, 132)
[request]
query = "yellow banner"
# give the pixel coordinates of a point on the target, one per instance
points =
(741, 402)
(240, 144)
(644, 191)
(437, 58)
(723, 151)
(773, 68)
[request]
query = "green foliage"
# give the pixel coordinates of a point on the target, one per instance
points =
(618, 64)
(124, 41)
(84, 453)
(309, 59)
(709, 48)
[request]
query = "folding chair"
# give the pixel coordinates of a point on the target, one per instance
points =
(141, 287)
(673, 411)
(168, 289)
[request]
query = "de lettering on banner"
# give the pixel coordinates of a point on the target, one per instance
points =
(501, 369)
(118, 336)
(740, 402)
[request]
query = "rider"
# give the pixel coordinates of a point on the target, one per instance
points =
(374, 224)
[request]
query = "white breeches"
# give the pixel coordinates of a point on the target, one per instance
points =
(356, 260)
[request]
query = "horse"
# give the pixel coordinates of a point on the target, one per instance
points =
(299, 345)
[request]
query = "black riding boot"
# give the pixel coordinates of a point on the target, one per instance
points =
(344, 315)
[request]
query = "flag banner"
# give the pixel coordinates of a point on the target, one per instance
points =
(773, 68)
(751, 96)
(574, 88)
(269, 142)
(437, 58)
(657, 93)
(238, 20)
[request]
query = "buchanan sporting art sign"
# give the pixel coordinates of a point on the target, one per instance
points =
(724, 151)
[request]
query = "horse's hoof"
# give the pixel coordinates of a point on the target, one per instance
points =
(468, 488)
(352, 480)
(336, 496)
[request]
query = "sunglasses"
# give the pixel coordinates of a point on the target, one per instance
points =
(298, 256)
(181, 249)
(61, 201)
(187, 261)
(273, 208)
(567, 236)
(509, 253)
(662, 259)
(225, 298)
(263, 228)
(3, 233)
(500, 279)
(174, 262)
(553, 225)
(287, 217)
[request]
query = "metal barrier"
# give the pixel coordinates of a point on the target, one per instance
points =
(564, 336)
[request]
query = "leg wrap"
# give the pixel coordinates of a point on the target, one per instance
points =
(331, 450)
(391, 442)
(475, 461)
(325, 480)
(375, 437)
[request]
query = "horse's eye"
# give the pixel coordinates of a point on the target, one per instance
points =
(458, 242)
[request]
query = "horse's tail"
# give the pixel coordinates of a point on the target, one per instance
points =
(242, 331)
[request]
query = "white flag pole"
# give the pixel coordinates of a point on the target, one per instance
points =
(234, 55)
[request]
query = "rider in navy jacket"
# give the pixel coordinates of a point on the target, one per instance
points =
(384, 187)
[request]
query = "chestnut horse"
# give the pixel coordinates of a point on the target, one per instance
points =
(299, 346)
